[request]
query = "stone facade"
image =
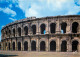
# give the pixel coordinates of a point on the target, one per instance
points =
(55, 33)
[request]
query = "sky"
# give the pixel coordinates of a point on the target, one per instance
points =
(12, 10)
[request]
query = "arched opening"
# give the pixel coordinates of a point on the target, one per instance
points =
(64, 46)
(9, 33)
(42, 28)
(75, 45)
(0, 46)
(52, 46)
(34, 29)
(14, 32)
(26, 30)
(75, 27)
(25, 46)
(33, 46)
(6, 33)
(19, 46)
(63, 27)
(52, 27)
(13, 45)
(9, 46)
(5, 44)
(42, 46)
(19, 31)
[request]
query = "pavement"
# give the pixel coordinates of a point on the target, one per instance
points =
(39, 54)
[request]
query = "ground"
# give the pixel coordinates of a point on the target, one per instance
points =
(40, 54)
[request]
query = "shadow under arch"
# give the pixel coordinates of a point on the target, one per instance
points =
(64, 46)
(75, 45)
(52, 45)
(25, 46)
(42, 46)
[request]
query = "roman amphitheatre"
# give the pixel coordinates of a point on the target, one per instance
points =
(52, 34)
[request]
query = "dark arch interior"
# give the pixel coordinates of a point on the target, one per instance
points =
(6, 32)
(19, 46)
(42, 28)
(74, 27)
(33, 46)
(64, 46)
(0, 46)
(19, 31)
(63, 27)
(42, 46)
(14, 32)
(34, 29)
(13, 45)
(9, 32)
(52, 46)
(25, 46)
(26, 30)
(52, 27)
(9, 46)
(5, 44)
(75, 46)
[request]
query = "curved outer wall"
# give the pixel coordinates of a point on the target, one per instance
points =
(56, 33)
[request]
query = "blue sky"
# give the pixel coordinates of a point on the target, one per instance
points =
(12, 10)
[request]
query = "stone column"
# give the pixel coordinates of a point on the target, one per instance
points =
(47, 46)
(11, 45)
(58, 28)
(2, 46)
(58, 45)
(47, 27)
(79, 28)
(16, 47)
(69, 47)
(21, 46)
(68, 27)
(39, 31)
(16, 31)
(37, 28)
(79, 47)
(37, 45)
(7, 46)
(29, 29)
(29, 45)
(22, 30)
(12, 33)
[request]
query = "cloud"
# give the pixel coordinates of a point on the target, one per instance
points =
(2, 26)
(40, 8)
(8, 11)
(10, 5)
(12, 19)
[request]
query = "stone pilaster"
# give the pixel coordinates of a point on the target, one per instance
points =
(47, 28)
(68, 27)
(37, 28)
(21, 46)
(16, 47)
(58, 28)
(79, 47)
(47, 45)
(58, 45)
(29, 45)
(69, 47)
(37, 46)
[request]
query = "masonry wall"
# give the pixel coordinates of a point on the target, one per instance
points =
(70, 37)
